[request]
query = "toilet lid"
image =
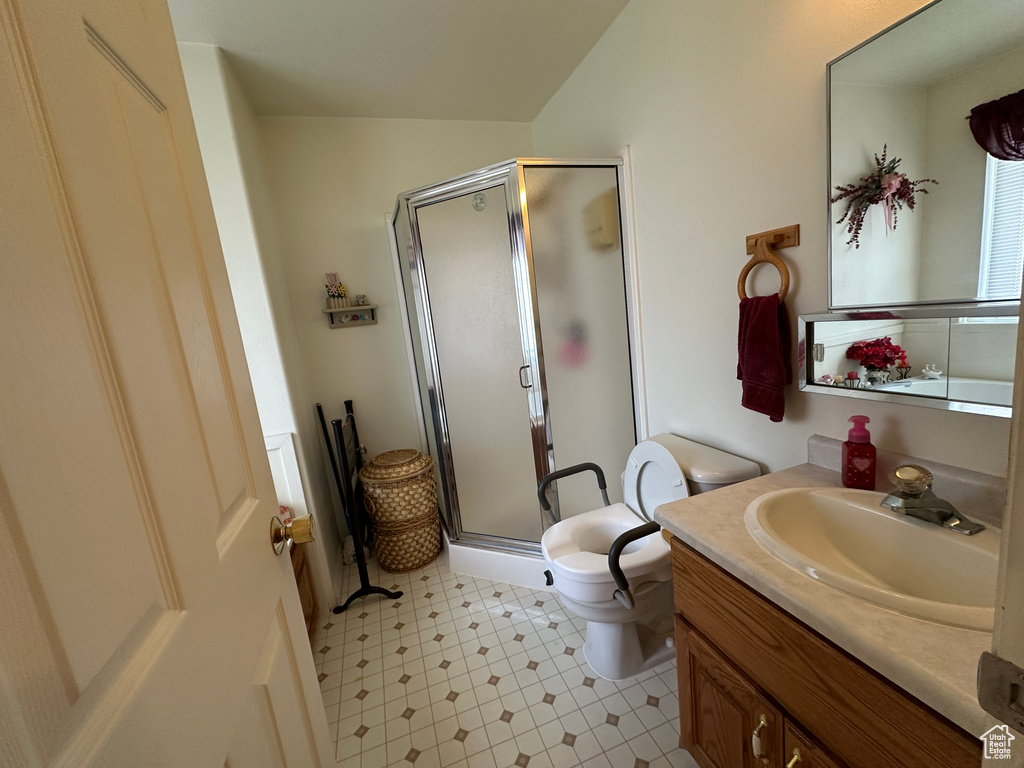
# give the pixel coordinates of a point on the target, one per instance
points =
(653, 477)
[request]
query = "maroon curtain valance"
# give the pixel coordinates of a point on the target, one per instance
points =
(998, 126)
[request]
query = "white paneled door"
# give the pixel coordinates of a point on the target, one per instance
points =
(145, 619)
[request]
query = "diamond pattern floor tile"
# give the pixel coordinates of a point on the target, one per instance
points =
(469, 672)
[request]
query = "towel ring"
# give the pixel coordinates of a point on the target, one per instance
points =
(760, 246)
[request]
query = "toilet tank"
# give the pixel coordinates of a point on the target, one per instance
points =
(707, 468)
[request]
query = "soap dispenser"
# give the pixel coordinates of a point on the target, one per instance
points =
(859, 456)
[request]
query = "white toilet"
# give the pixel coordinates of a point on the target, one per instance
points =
(621, 642)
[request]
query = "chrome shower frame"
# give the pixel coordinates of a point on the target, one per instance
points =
(510, 176)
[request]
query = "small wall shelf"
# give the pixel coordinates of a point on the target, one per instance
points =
(349, 317)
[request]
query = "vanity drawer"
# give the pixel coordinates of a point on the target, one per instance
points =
(801, 751)
(853, 711)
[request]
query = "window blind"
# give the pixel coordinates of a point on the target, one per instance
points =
(1002, 247)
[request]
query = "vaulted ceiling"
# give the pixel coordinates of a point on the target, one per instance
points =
(434, 59)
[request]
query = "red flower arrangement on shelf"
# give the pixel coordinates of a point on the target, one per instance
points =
(884, 185)
(877, 354)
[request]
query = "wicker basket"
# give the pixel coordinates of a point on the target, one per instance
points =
(402, 502)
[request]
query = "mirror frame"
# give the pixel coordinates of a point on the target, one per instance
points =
(805, 361)
(965, 302)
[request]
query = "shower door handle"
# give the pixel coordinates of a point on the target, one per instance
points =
(523, 382)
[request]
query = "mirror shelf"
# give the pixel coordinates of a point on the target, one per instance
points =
(954, 357)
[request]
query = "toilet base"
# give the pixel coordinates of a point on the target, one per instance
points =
(622, 651)
(622, 642)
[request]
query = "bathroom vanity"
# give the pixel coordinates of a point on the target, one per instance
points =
(777, 669)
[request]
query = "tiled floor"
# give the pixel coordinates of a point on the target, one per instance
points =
(468, 673)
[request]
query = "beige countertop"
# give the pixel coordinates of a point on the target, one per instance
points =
(933, 662)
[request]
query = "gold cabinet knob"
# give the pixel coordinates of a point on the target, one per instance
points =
(298, 531)
(796, 759)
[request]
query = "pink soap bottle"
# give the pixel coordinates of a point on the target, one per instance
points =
(859, 456)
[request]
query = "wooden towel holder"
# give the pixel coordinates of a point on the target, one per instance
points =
(761, 246)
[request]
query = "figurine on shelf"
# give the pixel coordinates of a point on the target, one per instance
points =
(832, 379)
(902, 367)
(336, 292)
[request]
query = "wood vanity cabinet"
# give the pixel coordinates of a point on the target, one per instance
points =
(307, 591)
(723, 709)
(742, 658)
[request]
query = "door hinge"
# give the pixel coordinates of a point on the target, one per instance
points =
(1001, 689)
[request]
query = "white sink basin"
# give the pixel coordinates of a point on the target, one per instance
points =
(844, 538)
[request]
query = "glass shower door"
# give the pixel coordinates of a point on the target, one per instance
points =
(482, 370)
(500, 267)
(575, 246)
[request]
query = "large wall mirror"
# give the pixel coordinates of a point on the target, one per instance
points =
(909, 90)
(923, 305)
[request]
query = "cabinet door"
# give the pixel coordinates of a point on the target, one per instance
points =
(801, 752)
(720, 710)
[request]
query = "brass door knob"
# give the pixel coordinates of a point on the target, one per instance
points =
(298, 531)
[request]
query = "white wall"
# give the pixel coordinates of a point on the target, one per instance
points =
(723, 105)
(226, 126)
(927, 342)
(333, 180)
(866, 119)
(952, 227)
(982, 350)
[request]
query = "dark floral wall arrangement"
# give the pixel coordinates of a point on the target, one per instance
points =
(885, 185)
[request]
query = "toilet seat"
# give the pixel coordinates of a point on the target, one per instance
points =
(629, 626)
(576, 549)
(653, 477)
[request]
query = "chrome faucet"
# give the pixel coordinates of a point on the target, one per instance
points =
(915, 497)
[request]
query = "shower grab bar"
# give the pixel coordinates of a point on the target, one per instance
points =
(622, 594)
(560, 473)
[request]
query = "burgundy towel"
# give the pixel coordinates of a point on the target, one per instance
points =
(764, 366)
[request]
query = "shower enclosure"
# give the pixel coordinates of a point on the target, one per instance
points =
(515, 285)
